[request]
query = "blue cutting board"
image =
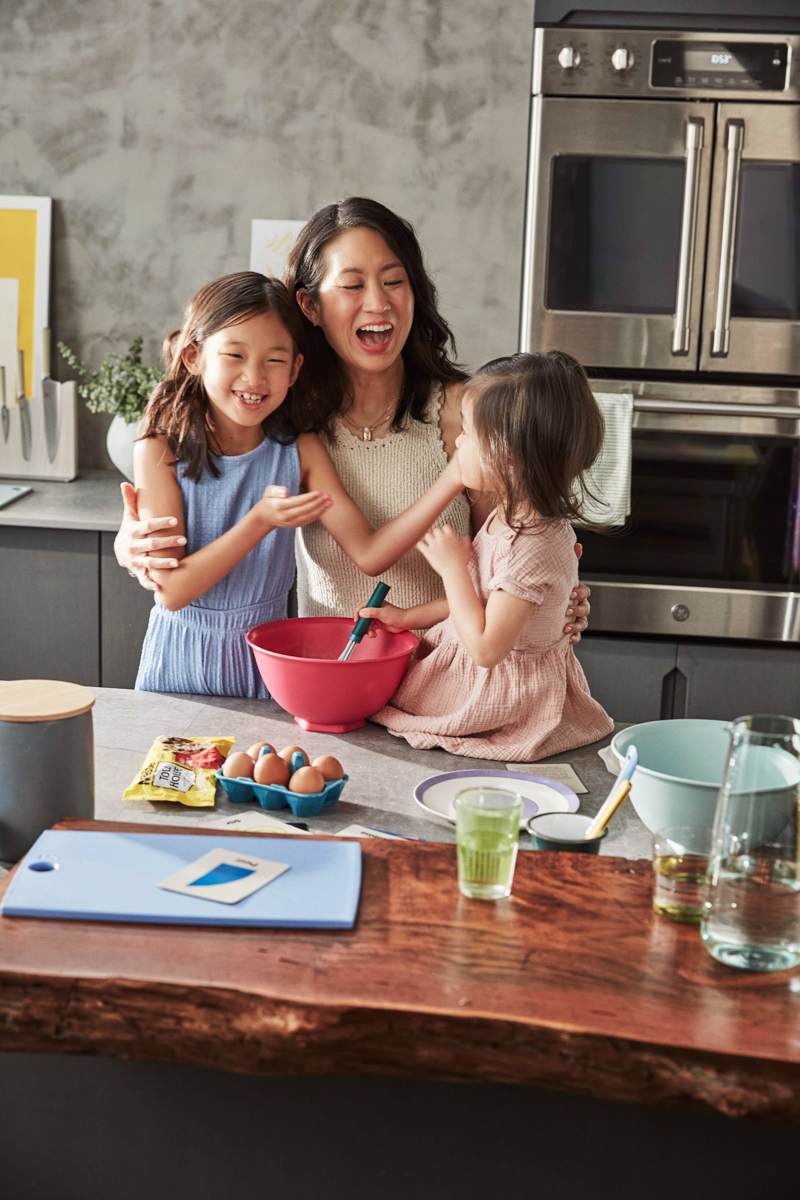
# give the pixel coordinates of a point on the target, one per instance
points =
(115, 877)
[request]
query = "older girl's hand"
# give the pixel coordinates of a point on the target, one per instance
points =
(290, 512)
(135, 540)
(444, 549)
(579, 607)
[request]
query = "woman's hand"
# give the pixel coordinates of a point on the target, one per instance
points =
(444, 549)
(579, 607)
(134, 541)
(392, 618)
(279, 509)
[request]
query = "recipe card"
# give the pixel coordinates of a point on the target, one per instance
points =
(224, 876)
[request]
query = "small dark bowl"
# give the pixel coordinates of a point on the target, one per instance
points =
(563, 831)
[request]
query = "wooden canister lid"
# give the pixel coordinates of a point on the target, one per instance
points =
(43, 700)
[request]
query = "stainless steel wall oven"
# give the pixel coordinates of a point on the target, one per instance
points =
(663, 251)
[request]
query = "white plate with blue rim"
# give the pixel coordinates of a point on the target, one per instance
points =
(539, 793)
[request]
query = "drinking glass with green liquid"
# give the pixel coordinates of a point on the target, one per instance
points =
(487, 839)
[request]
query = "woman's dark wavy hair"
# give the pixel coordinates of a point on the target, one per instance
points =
(178, 407)
(539, 428)
(323, 384)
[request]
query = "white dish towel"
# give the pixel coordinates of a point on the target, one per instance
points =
(609, 480)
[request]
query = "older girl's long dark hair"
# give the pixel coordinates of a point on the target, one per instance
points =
(178, 407)
(323, 384)
(539, 429)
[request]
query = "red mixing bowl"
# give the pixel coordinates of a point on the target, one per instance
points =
(297, 660)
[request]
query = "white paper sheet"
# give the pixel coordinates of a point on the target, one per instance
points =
(270, 243)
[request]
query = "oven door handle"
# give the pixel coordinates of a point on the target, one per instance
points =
(681, 334)
(734, 144)
(705, 408)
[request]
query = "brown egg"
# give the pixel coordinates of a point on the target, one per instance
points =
(307, 780)
(238, 766)
(271, 768)
(257, 747)
(328, 766)
(287, 752)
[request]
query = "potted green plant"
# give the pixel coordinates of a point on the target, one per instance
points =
(121, 385)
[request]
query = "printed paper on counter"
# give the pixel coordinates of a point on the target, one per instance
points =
(223, 876)
(363, 831)
(259, 822)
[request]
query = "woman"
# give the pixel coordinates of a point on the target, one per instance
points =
(379, 387)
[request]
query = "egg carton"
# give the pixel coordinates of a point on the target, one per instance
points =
(275, 795)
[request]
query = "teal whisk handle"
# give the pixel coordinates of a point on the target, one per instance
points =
(375, 601)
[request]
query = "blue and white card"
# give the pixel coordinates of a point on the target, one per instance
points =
(224, 876)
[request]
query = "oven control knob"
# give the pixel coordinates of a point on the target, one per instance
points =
(622, 59)
(680, 612)
(568, 57)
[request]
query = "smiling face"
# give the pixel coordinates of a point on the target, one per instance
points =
(246, 369)
(366, 305)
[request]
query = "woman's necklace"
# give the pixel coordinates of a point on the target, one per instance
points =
(366, 430)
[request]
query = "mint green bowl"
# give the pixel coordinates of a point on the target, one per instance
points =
(681, 764)
(680, 770)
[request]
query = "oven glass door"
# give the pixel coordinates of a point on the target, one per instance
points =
(706, 509)
(751, 316)
(616, 230)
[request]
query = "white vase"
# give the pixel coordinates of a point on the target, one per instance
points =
(119, 444)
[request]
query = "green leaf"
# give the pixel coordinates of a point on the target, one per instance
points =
(121, 385)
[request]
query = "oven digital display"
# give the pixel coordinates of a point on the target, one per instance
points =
(741, 65)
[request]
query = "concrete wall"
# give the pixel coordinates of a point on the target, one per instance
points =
(160, 129)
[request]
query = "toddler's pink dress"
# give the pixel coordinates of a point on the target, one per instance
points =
(535, 702)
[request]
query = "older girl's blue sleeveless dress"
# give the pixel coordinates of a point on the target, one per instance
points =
(202, 649)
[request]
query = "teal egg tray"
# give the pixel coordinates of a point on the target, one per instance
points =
(274, 795)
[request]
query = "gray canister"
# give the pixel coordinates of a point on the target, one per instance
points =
(46, 759)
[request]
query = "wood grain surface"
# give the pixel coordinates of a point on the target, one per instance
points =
(572, 983)
(43, 700)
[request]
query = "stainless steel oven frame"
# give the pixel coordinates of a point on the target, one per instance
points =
(686, 610)
(593, 108)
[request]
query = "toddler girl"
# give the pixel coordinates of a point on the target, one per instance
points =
(495, 677)
(220, 454)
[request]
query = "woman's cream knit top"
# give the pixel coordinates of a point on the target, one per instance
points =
(384, 477)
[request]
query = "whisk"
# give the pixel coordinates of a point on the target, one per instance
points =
(363, 623)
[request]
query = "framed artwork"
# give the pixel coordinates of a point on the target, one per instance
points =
(37, 415)
(270, 243)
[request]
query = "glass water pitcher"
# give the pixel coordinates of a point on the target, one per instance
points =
(751, 915)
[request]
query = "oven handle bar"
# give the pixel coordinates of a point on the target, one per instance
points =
(779, 412)
(681, 335)
(721, 334)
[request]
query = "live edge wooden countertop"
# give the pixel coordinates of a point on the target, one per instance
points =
(572, 983)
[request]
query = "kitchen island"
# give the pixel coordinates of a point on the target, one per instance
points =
(573, 983)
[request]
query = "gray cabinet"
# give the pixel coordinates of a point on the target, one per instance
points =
(124, 613)
(49, 604)
(67, 611)
(632, 679)
(728, 681)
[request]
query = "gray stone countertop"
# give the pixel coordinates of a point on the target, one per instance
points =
(90, 502)
(383, 770)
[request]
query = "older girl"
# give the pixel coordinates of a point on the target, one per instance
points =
(220, 454)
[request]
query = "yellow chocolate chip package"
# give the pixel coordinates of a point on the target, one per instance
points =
(181, 769)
